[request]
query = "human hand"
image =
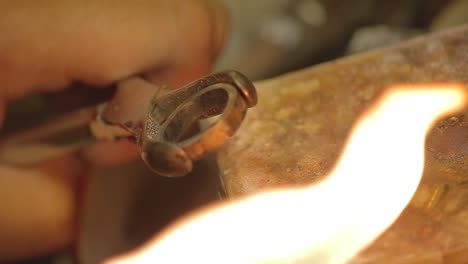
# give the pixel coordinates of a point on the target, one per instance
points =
(47, 45)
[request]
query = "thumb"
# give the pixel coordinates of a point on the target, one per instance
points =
(37, 208)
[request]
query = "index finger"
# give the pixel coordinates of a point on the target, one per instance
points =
(45, 48)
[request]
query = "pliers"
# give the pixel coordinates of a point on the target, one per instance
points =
(173, 128)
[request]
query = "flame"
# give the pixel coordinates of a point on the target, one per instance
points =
(331, 222)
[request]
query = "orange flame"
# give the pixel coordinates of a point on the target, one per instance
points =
(331, 222)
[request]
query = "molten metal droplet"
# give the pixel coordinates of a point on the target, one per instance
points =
(166, 159)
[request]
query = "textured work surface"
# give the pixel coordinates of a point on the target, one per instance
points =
(297, 130)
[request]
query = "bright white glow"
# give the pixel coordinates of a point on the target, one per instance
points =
(331, 222)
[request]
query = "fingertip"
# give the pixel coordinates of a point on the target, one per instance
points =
(179, 75)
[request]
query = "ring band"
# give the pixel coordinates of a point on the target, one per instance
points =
(168, 148)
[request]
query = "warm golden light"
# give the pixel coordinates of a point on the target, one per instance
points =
(330, 222)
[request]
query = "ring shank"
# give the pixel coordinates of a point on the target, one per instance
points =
(222, 95)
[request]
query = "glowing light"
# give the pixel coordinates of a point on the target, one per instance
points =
(331, 222)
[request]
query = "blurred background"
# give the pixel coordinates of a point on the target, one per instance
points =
(125, 206)
(270, 37)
